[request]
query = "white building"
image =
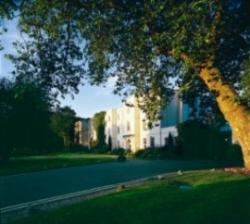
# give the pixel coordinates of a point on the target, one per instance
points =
(84, 132)
(123, 125)
(126, 127)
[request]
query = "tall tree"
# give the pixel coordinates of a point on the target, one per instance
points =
(6, 111)
(62, 123)
(99, 127)
(31, 117)
(24, 119)
(201, 46)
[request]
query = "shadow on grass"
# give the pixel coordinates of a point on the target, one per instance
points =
(211, 200)
(38, 163)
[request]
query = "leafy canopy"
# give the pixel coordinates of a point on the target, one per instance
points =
(24, 119)
(151, 46)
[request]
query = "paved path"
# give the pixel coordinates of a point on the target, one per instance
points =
(17, 189)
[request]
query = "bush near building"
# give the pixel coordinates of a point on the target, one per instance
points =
(197, 141)
(200, 141)
(156, 153)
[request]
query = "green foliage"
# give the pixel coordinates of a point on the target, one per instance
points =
(200, 141)
(24, 119)
(93, 144)
(110, 143)
(151, 47)
(99, 127)
(211, 194)
(31, 117)
(6, 110)
(62, 123)
(234, 155)
(7, 9)
(25, 164)
(121, 158)
(146, 44)
(78, 148)
(170, 142)
(157, 153)
(197, 141)
(119, 151)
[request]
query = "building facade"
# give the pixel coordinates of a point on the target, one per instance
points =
(84, 132)
(127, 126)
(122, 125)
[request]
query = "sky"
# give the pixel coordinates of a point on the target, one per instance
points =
(89, 100)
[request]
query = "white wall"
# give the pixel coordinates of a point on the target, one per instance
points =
(117, 121)
(157, 132)
(120, 124)
(110, 126)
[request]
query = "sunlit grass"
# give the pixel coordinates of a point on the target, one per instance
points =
(51, 161)
(213, 197)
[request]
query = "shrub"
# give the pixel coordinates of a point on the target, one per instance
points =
(118, 151)
(100, 149)
(234, 155)
(78, 148)
(121, 158)
(121, 155)
(140, 153)
(198, 141)
(155, 153)
(5, 152)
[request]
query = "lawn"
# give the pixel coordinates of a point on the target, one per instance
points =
(59, 160)
(206, 197)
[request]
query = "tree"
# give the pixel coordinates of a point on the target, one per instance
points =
(191, 137)
(62, 123)
(24, 119)
(7, 9)
(6, 109)
(170, 140)
(109, 143)
(151, 46)
(31, 118)
(99, 126)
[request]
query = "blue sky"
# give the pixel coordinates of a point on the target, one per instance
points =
(91, 99)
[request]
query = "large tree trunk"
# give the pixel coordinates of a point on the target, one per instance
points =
(237, 115)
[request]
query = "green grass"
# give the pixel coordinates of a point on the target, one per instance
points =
(214, 197)
(57, 160)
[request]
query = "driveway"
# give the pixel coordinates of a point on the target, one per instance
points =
(17, 189)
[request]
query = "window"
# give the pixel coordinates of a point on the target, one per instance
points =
(152, 142)
(128, 126)
(118, 130)
(144, 143)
